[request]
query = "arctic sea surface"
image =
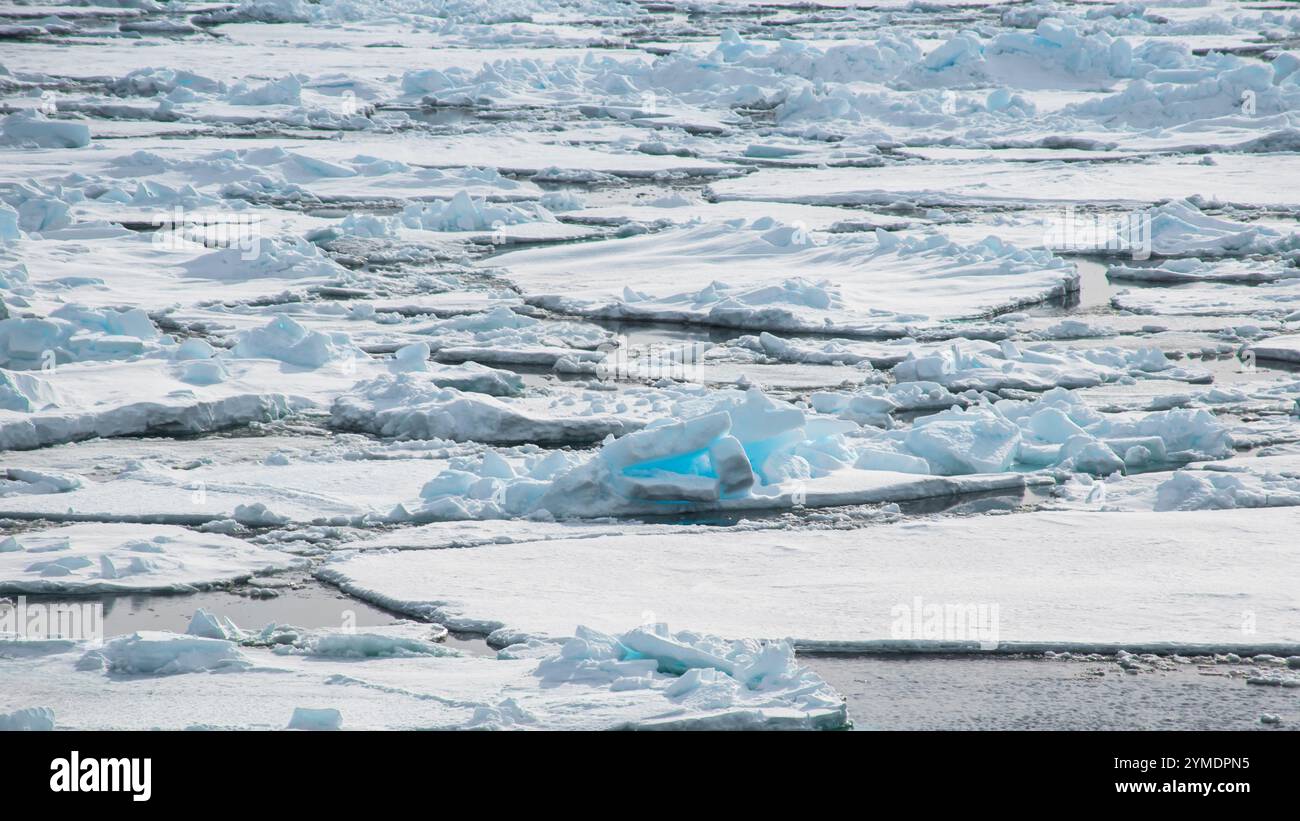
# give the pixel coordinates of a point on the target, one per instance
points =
(600, 364)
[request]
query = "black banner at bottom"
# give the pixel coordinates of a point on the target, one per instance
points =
(178, 771)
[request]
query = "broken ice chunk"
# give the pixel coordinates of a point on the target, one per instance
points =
(309, 718)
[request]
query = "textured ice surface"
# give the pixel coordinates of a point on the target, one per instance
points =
(1069, 576)
(1271, 480)
(124, 558)
(763, 320)
(646, 678)
(794, 280)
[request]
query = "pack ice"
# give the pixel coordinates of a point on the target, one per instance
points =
(646, 678)
(544, 319)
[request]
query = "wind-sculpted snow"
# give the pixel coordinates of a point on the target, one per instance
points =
(1179, 228)
(1278, 299)
(1232, 179)
(795, 280)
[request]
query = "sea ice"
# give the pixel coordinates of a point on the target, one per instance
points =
(98, 558)
(646, 678)
(1072, 576)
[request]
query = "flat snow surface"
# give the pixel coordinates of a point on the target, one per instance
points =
(1082, 576)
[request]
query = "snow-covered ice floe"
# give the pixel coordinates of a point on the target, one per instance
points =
(149, 385)
(85, 559)
(1073, 577)
(1277, 299)
(986, 366)
(646, 678)
(794, 280)
(1285, 348)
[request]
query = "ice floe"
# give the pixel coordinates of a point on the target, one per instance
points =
(82, 559)
(1067, 576)
(795, 280)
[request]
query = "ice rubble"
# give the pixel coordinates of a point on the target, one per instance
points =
(1070, 576)
(275, 258)
(136, 390)
(102, 558)
(213, 626)
(645, 678)
(84, 400)
(25, 394)
(373, 643)
(744, 450)
(1248, 482)
(461, 213)
(1213, 92)
(840, 85)
(152, 382)
(73, 333)
(20, 481)
(34, 129)
(797, 280)
(831, 87)
(309, 718)
(31, 719)
(285, 340)
(157, 653)
(1058, 429)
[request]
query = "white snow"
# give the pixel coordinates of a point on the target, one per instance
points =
(99, 558)
(646, 678)
(794, 280)
(761, 319)
(1285, 347)
(1056, 577)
